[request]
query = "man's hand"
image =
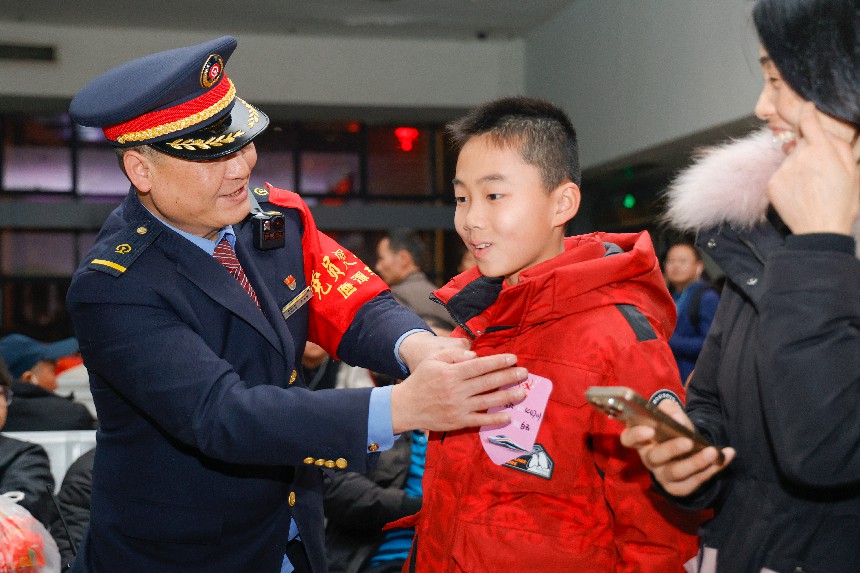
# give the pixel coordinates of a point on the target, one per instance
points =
(679, 473)
(453, 389)
(817, 187)
(418, 346)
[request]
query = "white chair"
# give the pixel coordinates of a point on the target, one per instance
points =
(63, 447)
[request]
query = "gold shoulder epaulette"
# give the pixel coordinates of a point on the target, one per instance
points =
(126, 247)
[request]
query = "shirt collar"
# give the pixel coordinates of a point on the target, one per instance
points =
(205, 244)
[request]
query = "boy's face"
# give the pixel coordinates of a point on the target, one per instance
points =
(504, 214)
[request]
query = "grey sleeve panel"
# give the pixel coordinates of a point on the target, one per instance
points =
(637, 321)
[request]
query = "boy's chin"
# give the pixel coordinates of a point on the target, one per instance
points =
(489, 270)
(495, 271)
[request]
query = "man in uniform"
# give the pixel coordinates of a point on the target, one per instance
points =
(211, 452)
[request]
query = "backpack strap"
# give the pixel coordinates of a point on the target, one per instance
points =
(695, 305)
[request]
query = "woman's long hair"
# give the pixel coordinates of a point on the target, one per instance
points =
(815, 45)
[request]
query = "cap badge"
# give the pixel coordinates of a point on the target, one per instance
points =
(211, 71)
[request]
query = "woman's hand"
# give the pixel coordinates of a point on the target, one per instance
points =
(678, 472)
(817, 187)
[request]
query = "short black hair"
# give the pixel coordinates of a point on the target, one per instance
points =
(408, 240)
(815, 45)
(121, 151)
(5, 375)
(539, 130)
(684, 243)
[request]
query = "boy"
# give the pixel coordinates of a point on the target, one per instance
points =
(581, 311)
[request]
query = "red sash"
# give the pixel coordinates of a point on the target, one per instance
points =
(340, 282)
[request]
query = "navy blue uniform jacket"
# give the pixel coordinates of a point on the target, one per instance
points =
(205, 447)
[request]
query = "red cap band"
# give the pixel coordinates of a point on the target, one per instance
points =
(179, 117)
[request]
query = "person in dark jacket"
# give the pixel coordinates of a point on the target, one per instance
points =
(357, 506)
(695, 300)
(69, 525)
(37, 407)
(779, 375)
(24, 467)
(400, 260)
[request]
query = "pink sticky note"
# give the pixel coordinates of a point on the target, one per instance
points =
(504, 443)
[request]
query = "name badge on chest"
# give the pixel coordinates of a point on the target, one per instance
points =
(505, 443)
(297, 303)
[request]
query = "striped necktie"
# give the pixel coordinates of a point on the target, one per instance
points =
(225, 255)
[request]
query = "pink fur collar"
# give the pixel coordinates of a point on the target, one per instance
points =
(727, 184)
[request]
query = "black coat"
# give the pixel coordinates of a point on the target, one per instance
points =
(25, 467)
(779, 380)
(34, 409)
(357, 506)
(74, 501)
(208, 439)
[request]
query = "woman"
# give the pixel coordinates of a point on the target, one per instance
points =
(778, 379)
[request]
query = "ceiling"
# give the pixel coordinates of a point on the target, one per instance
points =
(481, 19)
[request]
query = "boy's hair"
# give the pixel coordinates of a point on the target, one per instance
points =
(539, 130)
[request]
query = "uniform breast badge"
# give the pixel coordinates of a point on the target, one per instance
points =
(291, 307)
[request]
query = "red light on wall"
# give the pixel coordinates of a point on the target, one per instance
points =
(406, 136)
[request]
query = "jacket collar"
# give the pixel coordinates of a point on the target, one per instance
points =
(583, 277)
(27, 390)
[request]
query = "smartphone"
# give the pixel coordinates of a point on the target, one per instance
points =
(627, 406)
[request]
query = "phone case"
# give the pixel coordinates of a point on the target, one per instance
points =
(627, 406)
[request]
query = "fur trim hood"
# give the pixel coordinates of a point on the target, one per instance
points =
(727, 184)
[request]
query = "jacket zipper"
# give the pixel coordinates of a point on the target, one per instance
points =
(460, 323)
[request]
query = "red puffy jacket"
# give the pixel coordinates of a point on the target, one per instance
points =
(595, 315)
